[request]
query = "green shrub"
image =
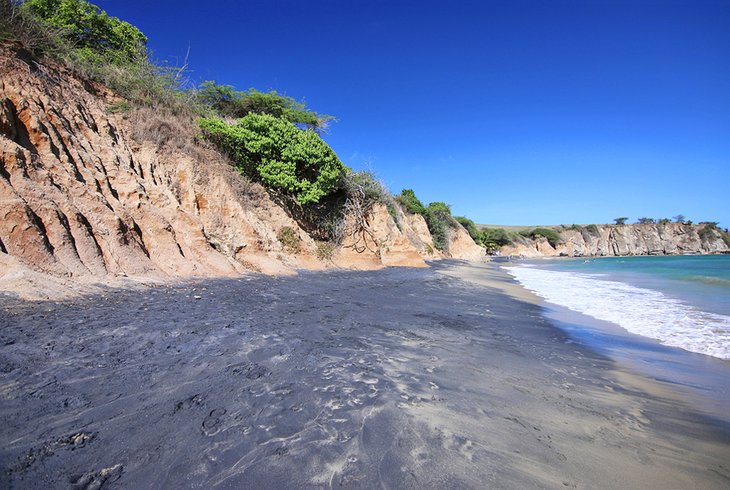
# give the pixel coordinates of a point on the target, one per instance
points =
(493, 238)
(645, 221)
(283, 157)
(93, 34)
(706, 233)
(21, 26)
(119, 106)
(411, 204)
(289, 239)
(439, 220)
(711, 230)
(621, 221)
(553, 237)
(439, 234)
(324, 250)
(228, 102)
(470, 227)
(437, 215)
(96, 46)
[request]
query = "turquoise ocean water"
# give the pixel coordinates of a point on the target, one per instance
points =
(664, 317)
(680, 301)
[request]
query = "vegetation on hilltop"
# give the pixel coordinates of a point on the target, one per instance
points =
(552, 236)
(270, 137)
(92, 33)
(437, 215)
(96, 46)
(710, 230)
(226, 101)
(471, 228)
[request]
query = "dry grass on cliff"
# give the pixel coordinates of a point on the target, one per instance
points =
(174, 134)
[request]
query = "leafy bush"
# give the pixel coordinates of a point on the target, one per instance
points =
(439, 234)
(439, 221)
(411, 204)
(93, 34)
(493, 238)
(711, 230)
(228, 102)
(621, 221)
(710, 224)
(276, 152)
(118, 106)
(553, 237)
(470, 227)
(589, 232)
(437, 215)
(645, 221)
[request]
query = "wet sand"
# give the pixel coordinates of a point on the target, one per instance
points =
(400, 378)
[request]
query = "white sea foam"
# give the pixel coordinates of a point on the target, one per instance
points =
(641, 311)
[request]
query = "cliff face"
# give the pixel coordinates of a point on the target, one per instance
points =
(86, 194)
(617, 240)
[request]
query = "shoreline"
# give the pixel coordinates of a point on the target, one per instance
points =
(409, 378)
(701, 379)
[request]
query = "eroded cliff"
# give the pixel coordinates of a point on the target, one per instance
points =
(90, 192)
(619, 240)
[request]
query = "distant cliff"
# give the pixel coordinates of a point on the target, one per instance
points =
(618, 240)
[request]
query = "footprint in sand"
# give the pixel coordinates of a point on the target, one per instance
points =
(97, 479)
(343, 436)
(214, 421)
(195, 400)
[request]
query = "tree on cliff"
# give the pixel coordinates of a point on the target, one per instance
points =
(679, 218)
(645, 221)
(621, 221)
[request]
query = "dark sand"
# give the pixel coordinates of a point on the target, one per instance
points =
(401, 378)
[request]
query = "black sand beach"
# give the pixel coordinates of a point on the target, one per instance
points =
(400, 378)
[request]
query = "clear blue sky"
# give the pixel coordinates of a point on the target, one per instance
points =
(512, 112)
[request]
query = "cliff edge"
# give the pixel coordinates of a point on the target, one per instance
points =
(91, 190)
